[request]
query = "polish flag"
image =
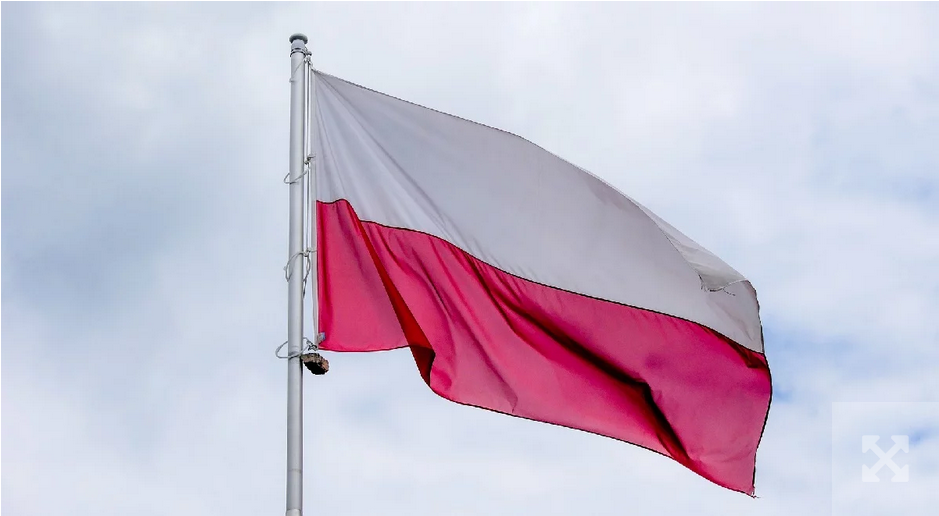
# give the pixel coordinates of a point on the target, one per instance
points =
(526, 285)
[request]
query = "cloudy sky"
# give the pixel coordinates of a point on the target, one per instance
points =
(144, 232)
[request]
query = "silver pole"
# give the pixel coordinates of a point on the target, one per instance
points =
(298, 53)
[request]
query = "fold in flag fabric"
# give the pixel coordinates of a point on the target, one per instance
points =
(525, 285)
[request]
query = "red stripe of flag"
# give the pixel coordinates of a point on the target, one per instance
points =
(484, 337)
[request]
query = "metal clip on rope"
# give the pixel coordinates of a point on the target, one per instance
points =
(313, 361)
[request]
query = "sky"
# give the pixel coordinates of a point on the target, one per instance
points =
(144, 228)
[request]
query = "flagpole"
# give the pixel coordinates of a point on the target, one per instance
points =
(295, 277)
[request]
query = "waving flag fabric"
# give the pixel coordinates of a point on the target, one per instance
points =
(525, 285)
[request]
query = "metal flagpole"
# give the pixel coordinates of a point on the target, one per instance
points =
(297, 257)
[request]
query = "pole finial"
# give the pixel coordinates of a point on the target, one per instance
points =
(298, 44)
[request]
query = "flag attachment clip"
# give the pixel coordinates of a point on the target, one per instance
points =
(316, 363)
(310, 347)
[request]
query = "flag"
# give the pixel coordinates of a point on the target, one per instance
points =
(525, 285)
